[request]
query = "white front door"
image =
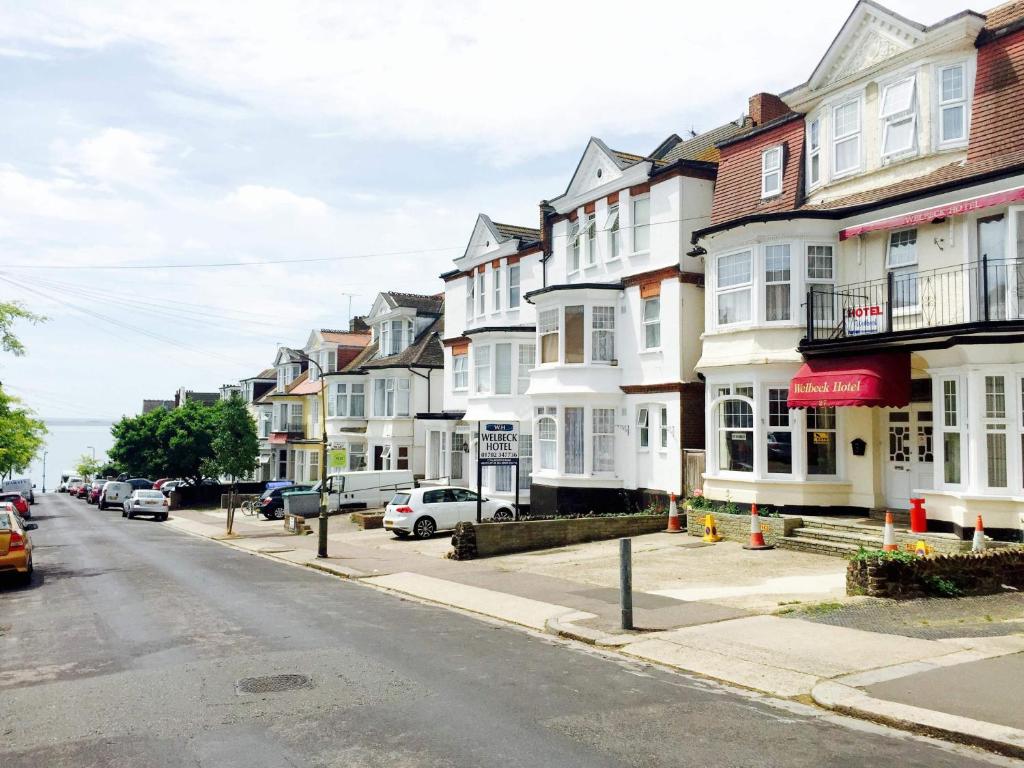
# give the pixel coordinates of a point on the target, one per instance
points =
(909, 465)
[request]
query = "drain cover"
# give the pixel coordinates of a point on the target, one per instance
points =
(272, 684)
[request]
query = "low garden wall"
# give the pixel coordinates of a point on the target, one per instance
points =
(489, 539)
(737, 527)
(902, 576)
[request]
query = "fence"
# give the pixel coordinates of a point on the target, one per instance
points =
(693, 471)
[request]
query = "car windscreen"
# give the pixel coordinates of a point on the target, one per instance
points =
(400, 498)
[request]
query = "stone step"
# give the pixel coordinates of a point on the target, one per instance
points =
(868, 538)
(817, 546)
(842, 525)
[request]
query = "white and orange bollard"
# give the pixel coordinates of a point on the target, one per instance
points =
(674, 525)
(756, 534)
(978, 544)
(889, 535)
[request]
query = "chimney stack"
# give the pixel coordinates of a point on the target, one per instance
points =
(765, 107)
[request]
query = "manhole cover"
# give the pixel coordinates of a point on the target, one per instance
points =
(273, 684)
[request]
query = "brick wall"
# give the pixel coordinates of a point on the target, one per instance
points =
(983, 573)
(505, 538)
(737, 527)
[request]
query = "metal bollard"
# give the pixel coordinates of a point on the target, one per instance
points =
(626, 582)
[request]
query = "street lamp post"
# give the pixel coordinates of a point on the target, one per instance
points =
(321, 550)
(44, 471)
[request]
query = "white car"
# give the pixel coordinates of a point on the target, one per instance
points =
(423, 512)
(114, 494)
(146, 502)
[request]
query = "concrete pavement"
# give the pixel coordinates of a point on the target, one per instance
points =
(132, 644)
(695, 625)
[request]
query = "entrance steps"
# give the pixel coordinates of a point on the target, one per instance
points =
(837, 538)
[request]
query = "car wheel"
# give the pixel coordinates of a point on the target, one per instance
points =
(26, 577)
(124, 513)
(424, 528)
(504, 516)
(279, 514)
(163, 518)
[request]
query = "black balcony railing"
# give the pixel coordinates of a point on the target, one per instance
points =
(985, 291)
(291, 427)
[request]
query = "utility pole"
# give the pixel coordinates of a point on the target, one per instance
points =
(321, 550)
(44, 471)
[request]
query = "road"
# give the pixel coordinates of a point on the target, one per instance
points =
(128, 649)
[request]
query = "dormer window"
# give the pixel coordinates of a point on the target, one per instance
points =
(771, 172)
(395, 336)
(952, 104)
(846, 138)
(899, 118)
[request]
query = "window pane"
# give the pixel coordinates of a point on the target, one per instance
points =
(603, 335)
(777, 289)
(604, 439)
(641, 224)
(995, 397)
(734, 307)
(652, 323)
(897, 97)
(525, 461)
(513, 286)
(503, 369)
(952, 83)
(734, 269)
(819, 262)
(847, 154)
(547, 327)
(951, 457)
(903, 248)
(950, 417)
(482, 368)
(953, 122)
(846, 119)
(995, 443)
(821, 441)
(574, 441)
(547, 437)
(899, 136)
(527, 356)
(574, 334)
(736, 436)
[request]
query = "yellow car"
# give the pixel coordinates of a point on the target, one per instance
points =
(15, 544)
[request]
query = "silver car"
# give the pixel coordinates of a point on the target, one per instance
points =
(146, 502)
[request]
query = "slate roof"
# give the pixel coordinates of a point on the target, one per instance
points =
(524, 234)
(344, 337)
(1004, 15)
(428, 305)
(265, 374)
(425, 352)
(704, 146)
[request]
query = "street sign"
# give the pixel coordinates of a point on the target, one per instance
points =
(499, 443)
(336, 459)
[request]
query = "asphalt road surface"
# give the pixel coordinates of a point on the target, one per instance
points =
(130, 645)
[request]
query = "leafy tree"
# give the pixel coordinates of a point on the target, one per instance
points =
(21, 434)
(10, 312)
(137, 449)
(186, 437)
(87, 466)
(235, 446)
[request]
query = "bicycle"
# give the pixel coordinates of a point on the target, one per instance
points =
(251, 507)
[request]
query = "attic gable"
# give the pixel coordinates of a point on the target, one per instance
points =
(381, 306)
(871, 35)
(598, 166)
(485, 238)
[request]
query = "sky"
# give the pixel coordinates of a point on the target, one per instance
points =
(356, 140)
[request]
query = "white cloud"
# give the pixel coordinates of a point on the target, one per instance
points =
(260, 200)
(117, 156)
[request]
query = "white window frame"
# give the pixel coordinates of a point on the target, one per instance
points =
(573, 246)
(994, 424)
(314, 466)
(814, 126)
(568, 446)
(908, 267)
(650, 323)
(641, 229)
(603, 441)
(663, 428)
(614, 233)
(481, 293)
(527, 360)
(963, 103)
(771, 168)
(788, 248)
(590, 232)
(496, 287)
(357, 393)
(811, 281)
(643, 428)
(746, 287)
(545, 317)
(460, 372)
(852, 135)
(379, 398)
(481, 369)
(944, 425)
(897, 115)
(789, 428)
(403, 398)
(470, 296)
(602, 333)
(547, 418)
(514, 291)
(503, 349)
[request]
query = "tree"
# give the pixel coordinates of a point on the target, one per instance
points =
(186, 438)
(87, 466)
(21, 434)
(137, 449)
(235, 446)
(10, 312)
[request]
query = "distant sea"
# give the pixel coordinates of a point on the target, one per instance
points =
(66, 441)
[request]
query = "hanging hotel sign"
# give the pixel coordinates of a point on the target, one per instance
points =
(932, 214)
(499, 443)
(862, 320)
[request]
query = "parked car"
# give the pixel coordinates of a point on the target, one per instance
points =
(62, 486)
(365, 489)
(159, 484)
(146, 502)
(15, 544)
(168, 486)
(19, 502)
(425, 511)
(82, 491)
(75, 481)
(114, 494)
(272, 500)
(140, 483)
(23, 486)
(95, 489)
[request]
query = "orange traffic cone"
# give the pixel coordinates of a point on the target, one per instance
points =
(978, 545)
(889, 536)
(756, 534)
(673, 516)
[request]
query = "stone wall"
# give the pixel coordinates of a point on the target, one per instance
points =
(737, 527)
(984, 573)
(489, 539)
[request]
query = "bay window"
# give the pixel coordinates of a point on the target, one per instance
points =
(404, 392)
(574, 246)
(614, 233)
(777, 296)
(901, 262)
(513, 286)
(525, 461)
(459, 444)
(602, 339)
(821, 441)
(771, 172)
(527, 359)
(951, 427)
(482, 368)
(573, 434)
(357, 408)
(329, 360)
(503, 369)
(547, 328)
(733, 287)
(780, 432)
(547, 436)
(460, 371)
(652, 322)
(736, 434)
(641, 224)
(604, 439)
(995, 432)
(952, 104)
(820, 284)
(574, 334)
(663, 426)
(814, 152)
(378, 397)
(846, 138)
(643, 427)
(389, 397)
(314, 466)
(899, 117)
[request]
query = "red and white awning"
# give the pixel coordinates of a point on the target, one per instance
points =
(881, 380)
(937, 212)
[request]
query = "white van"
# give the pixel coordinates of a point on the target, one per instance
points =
(20, 485)
(114, 494)
(365, 490)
